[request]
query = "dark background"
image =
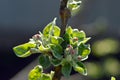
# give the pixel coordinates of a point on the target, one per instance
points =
(20, 19)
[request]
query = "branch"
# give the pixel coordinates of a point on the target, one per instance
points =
(65, 14)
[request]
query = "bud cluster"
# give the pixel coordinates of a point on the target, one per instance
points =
(73, 53)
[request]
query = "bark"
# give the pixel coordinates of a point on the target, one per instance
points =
(57, 75)
(64, 15)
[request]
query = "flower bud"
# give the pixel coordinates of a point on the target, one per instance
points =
(69, 46)
(36, 37)
(75, 39)
(72, 52)
(79, 58)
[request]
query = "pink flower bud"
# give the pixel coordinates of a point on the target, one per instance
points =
(72, 52)
(36, 36)
(79, 58)
(68, 46)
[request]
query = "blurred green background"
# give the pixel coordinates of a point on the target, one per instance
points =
(100, 19)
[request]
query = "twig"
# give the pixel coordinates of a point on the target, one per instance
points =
(64, 15)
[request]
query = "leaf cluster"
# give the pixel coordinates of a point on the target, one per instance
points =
(68, 51)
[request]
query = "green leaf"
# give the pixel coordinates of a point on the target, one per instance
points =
(74, 6)
(56, 31)
(51, 29)
(23, 50)
(66, 69)
(85, 40)
(83, 50)
(69, 58)
(113, 78)
(79, 67)
(43, 49)
(56, 51)
(56, 40)
(66, 41)
(36, 73)
(80, 34)
(44, 61)
(46, 30)
(46, 77)
(55, 62)
(69, 30)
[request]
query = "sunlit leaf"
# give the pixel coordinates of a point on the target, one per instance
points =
(83, 50)
(85, 40)
(46, 77)
(46, 30)
(51, 29)
(43, 49)
(56, 31)
(69, 30)
(23, 50)
(36, 73)
(56, 40)
(79, 67)
(79, 34)
(74, 6)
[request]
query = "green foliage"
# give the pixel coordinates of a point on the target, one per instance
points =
(66, 69)
(56, 51)
(67, 51)
(44, 61)
(55, 62)
(37, 74)
(74, 6)
(79, 67)
(24, 50)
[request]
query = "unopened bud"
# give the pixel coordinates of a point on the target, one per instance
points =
(36, 36)
(79, 58)
(69, 46)
(72, 52)
(75, 39)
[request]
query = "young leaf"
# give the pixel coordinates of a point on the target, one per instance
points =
(56, 40)
(74, 6)
(45, 77)
(79, 34)
(113, 78)
(44, 61)
(36, 73)
(56, 51)
(79, 67)
(83, 50)
(46, 30)
(56, 31)
(51, 29)
(66, 41)
(23, 50)
(69, 30)
(55, 62)
(66, 69)
(85, 40)
(43, 49)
